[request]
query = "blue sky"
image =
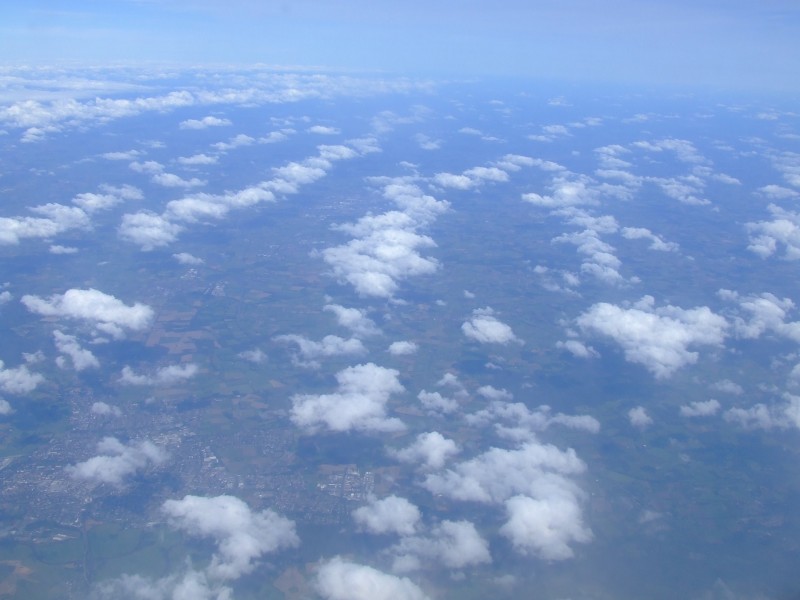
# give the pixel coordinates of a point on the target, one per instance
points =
(743, 44)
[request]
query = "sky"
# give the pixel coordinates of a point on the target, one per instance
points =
(735, 44)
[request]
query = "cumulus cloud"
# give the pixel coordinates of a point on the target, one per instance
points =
(105, 409)
(430, 450)
(148, 230)
(102, 311)
(386, 247)
(117, 461)
(308, 351)
(565, 191)
(402, 348)
(485, 328)
(53, 219)
(516, 421)
(533, 483)
(189, 584)
(338, 579)
(58, 249)
(198, 159)
(323, 130)
(204, 123)
(241, 534)
(639, 418)
(81, 357)
(453, 544)
(5, 407)
(256, 355)
(392, 514)
(728, 386)
(18, 380)
(764, 313)
(359, 403)
(354, 319)
(169, 375)
(704, 408)
(656, 243)
(658, 338)
(783, 230)
(185, 258)
(578, 349)
(783, 415)
(435, 403)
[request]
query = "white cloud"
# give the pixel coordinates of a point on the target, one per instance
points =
(545, 526)
(354, 319)
(485, 328)
(402, 348)
(204, 123)
(102, 311)
(684, 150)
(5, 407)
(256, 355)
(323, 130)
(185, 258)
(728, 386)
(533, 482)
(430, 450)
(331, 345)
(81, 357)
(117, 461)
(639, 418)
(454, 544)
(656, 243)
(657, 338)
(704, 408)
(165, 376)
(761, 416)
(338, 579)
(198, 159)
(392, 514)
(148, 230)
(104, 409)
(53, 220)
(766, 313)
(58, 249)
(578, 349)
(241, 534)
(385, 249)
(522, 422)
(564, 191)
(435, 403)
(359, 402)
(188, 585)
(782, 230)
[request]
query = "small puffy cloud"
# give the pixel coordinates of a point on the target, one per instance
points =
(256, 355)
(402, 348)
(338, 579)
(175, 181)
(53, 219)
(728, 386)
(187, 585)
(102, 311)
(58, 249)
(323, 130)
(241, 534)
(185, 258)
(93, 202)
(564, 192)
(81, 357)
(545, 526)
(639, 418)
(198, 159)
(430, 450)
(359, 403)
(308, 351)
(148, 230)
(760, 416)
(125, 155)
(104, 409)
(485, 328)
(766, 312)
(5, 297)
(453, 544)
(392, 514)
(204, 123)
(354, 319)
(578, 349)
(705, 408)
(522, 423)
(169, 375)
(435, 403)
(783, 230)
(656, 243)
(236, 141)
(117, 461)
(5, 407)
(427, 143)
(658, 338)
